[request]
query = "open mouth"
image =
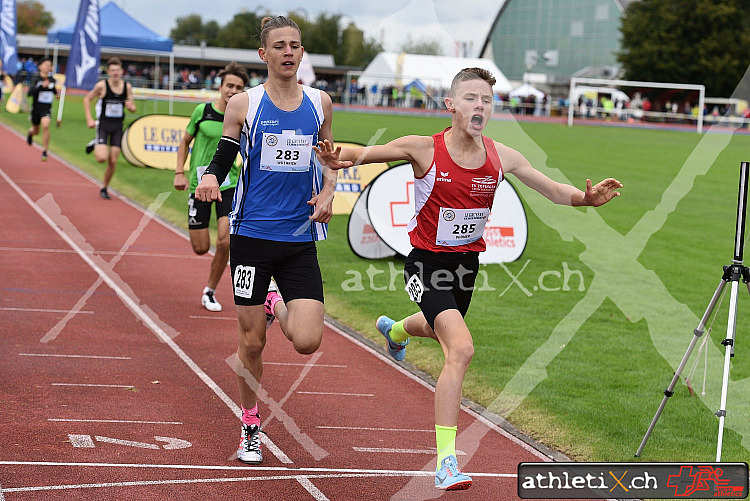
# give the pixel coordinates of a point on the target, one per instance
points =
(288, 64)
(476, 120)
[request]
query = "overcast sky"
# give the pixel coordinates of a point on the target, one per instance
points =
(388, 21)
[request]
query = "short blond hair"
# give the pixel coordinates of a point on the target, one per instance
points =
(471, 74)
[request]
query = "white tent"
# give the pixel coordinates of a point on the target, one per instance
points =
(390, 68)
(526, 90)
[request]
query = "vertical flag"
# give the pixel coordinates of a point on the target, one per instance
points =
(82, 69)
(8, 49)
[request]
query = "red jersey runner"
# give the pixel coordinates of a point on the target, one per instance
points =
(452, 203)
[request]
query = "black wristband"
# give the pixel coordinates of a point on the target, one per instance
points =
(223, 159)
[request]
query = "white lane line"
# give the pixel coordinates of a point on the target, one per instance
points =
(471, 412)
(95, 385)
(2, 497)
(103, 253)
(207, 317)
(334, 393)
(71, 356)
(310, 487)
(364, 428)
(296, 364)
(307, 471)
(304, 480)
(387, 450)
(60, 420)
(136, 309)
(47, 310)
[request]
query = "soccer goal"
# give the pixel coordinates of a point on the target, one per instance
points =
(586, 93)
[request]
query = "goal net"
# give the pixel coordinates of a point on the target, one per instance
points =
(672, 103)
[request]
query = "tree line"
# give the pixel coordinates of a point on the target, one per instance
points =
(323, 34)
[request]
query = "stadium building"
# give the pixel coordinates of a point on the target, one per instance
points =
(550, 41)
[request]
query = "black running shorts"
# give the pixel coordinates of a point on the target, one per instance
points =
(37, 115)
(111, 131)
(439, 281)
(293, 265)
(199, 213)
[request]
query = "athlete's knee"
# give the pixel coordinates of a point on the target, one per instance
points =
(461, 353)
(200, 248)
(222, 244)
(307, 346)
(251, 345)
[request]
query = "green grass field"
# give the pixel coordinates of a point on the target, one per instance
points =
(581, 369)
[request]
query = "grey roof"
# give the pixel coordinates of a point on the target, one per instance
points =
(183, 52)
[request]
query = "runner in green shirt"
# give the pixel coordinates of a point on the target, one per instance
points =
(205, 127)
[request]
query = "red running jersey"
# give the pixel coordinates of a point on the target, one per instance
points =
(452, 203)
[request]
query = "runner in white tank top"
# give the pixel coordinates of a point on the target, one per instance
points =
(441, 318)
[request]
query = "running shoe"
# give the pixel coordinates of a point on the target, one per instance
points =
(396, 350)
(90, 146)
(44, 156)
(273, 291)
(448, 478)
(249, 449)
(103, 193)
(29, 140)
(209, 301)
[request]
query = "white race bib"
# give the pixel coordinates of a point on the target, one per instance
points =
(244, 277)
(45, 97)
(113, 110)
(201, 170)
(460, 226)
(286, 152)
(415, 288)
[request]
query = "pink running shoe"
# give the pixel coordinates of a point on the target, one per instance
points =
(272, 298)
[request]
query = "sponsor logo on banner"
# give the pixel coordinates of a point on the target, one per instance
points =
(152, 141)
(363, 239)
(352, 181)
(83, 62)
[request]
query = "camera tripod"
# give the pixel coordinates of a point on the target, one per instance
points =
(732, 274)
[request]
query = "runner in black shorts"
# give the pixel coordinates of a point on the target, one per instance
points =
(114, 94)
(42, 91)
(204, 132)
(447, 235)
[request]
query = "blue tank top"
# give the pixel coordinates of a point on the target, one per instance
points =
(280, 171)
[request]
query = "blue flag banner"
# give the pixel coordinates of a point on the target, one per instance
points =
(8, 49)
(82, 69)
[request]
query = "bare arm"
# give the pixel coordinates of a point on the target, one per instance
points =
(129, 101)
(180, 181)
(323, 201)
(418, 150)
(564, 194)
(234, 116)
(96, 92)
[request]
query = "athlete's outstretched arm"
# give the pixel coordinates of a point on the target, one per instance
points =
(323, 201)
(564, 194)
(129, 102)
(409, 148)
(226, 152)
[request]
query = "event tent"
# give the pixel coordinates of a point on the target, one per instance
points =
(526, 90)
(593, 92)
(118, 30)
(121, 32)
(390, 68)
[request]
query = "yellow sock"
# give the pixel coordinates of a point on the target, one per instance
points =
(446, 442)
(398, 334)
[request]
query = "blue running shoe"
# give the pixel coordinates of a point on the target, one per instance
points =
(448, 478)
(397, 350)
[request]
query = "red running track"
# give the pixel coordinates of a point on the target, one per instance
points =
(115, 382)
